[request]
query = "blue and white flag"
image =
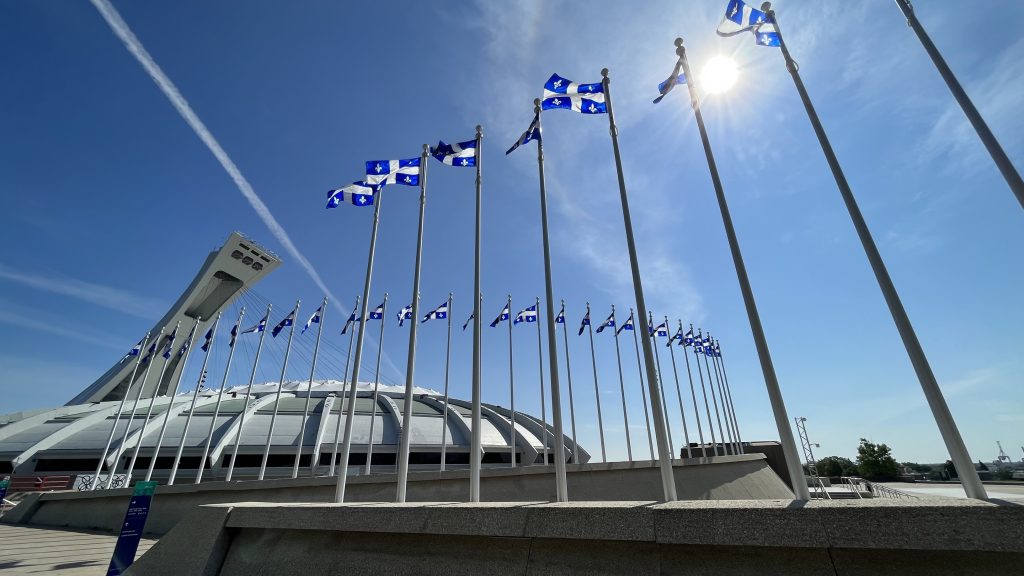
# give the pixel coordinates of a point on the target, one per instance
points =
(584, 323)
(314, 319)
(718, 349)
(568, 95)
(207, 341)
(378, 312)
(688, 338)
(560, 319)
(532, 133)
(257, 328)
(468, 320)
(351, 319)
(184, 347)
(149, 352)
(288, 321)
(627, 325)
(356, 193)
(660, 331)
(439, 313)
(170, 343)
(677, 336)
(698, 344)
(404, 314)
(234, 334)
(741, 18)
(405, 172)
(675, 78)
(526, 315)
(133, 352)
(458, 154)
(501, 317)
(608, 323)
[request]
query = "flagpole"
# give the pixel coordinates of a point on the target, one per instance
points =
(321, 311)
(543, 399)
(693, 392)
(220, 396)
(730, 416)
(723, 433)
(622, 390)
(117, 416)
(574, 458)
(661, 385)
(277, 399)
(350, 409)
(170, 399)
(149, 410)
(192, 407)
(704, 392)
(410, 368)
(940, 410)
(597, 388)
(1006, 168)
(248, 395)
(476, 441)
(664, 458)
(643, 393)
(447, 365)
(760, 341)
(511, 385)
(341, 397)
(732, 406)
(376, 387)
(679, 393)
(131, 416)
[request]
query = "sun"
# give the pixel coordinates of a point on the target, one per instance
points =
(718, 75)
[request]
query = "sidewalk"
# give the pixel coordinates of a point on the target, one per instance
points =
(37, 550)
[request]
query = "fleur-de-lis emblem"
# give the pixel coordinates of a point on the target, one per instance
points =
(465, 162)
(378, 168)
(557, 84)
(407, 179)
(592, 107)
(556, 102)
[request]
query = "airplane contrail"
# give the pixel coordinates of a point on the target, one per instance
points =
(121, 29)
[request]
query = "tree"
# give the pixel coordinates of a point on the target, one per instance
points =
(950, 470)
(833, 466)
(917, 467)
(875, 461)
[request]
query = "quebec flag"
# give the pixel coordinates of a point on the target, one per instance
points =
(560, 319)
(356, 193)
(314, 319)
(660, 331)
(527, 315)
(440, 313)
(583, 98)
(688, 338)
(288, 321)
(675, 78)
(405, 314)
(258, 327)
(207, 341)
(458, 154)
(584, 323)
(501, 317)
(377, 313)
(405, 172)
(741, 18)
(608, 323)
(532, 133)
(627, 325)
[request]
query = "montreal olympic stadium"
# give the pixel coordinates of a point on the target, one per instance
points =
(70, 439)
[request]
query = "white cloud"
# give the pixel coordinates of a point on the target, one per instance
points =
(105, 296)
(39, 323)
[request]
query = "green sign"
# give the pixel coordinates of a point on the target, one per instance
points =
(131, 530)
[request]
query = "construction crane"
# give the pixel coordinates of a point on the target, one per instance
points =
(1002, 458)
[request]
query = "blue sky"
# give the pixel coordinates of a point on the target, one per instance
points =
(111, 201)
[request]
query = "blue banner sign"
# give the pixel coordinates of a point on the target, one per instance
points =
(131, 529)
(4, 485)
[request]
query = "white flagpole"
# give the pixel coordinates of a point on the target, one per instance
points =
(341, 397)
(727, 437)
(732, 407)
(220, 397)
(661, 385)
(597, 387)
(643, 393)
(447, 364)
(714, 401)
(693, 393)
(192, 407)
(476, 440)
(309, 392)
(248, 396)
(668, 480)
(704, 391)
(277, 398)
(574, 458)
(405, 441)
(350, 409)
(152, 401)
(117, 415)
(135, 407)
(376, 388)
(729, 424)
(622, 388)
(543, 396)
(511, 386)
(170, 399)
(679, 392)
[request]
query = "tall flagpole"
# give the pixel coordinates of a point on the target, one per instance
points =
(131, 416)
(693, 394)
(350, 408)
(940, 410)
(170, 399)
(760, 341)
(622, 391)
(476, 441)
(543, 400)
(248, 397)
(679, 392)
(725, 403)
(410, 368)
(714, 401)
(730, 414)
(117, 416)
(152, 401)
(341, 397)
(277, 399)
(220, 397)
(572, 406)
(707, 406)
(376, 386)
(732, 406)
(987, 138)
(309, 391)
(597, 388)
(195, 398)
(447, 365)
(643, 393)
(668, 480)
(661, 385)
(511, 385)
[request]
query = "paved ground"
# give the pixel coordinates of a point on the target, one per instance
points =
(31, 550)
(1003, 492)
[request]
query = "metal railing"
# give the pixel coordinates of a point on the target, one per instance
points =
(874, 489)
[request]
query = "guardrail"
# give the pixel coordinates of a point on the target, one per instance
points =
(875, 490)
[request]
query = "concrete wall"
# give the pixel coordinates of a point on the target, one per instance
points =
(723, 538)
(721, 478)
